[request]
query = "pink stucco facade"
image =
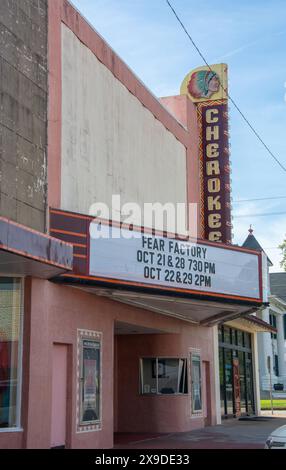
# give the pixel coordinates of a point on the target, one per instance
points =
(53, 314)
(169, 413)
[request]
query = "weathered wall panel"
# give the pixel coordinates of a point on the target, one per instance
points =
(111, 143)
(23, 111)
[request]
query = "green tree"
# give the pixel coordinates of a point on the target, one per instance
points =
(283, 249)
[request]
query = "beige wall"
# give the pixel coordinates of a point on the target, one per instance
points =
(111, 143)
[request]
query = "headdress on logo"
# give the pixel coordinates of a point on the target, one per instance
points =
(198, 85)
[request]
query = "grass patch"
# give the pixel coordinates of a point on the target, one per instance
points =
(277, 404)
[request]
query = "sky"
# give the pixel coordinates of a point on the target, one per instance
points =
(250, 36)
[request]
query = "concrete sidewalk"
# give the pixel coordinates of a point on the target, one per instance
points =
(276, 413)
(231, 434)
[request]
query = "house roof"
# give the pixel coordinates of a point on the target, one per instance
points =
(278, 285)
(252, 323)
(251, 243)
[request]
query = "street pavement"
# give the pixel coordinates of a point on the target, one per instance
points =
(231, 434)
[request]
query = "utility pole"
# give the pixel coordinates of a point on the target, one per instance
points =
(270, 376)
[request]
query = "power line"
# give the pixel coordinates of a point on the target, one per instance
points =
(225, 90)
(266, 214)
(258, 199)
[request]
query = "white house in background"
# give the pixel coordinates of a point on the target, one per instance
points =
(278, 319)
(272, 345)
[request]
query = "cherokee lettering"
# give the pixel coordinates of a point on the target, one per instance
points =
(213, 168)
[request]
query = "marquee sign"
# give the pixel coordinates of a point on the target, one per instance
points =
(207, 88)
(169, 263)
(124, 257)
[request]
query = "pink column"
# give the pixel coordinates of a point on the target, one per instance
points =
(59, 395)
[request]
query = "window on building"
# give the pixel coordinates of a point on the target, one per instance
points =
(226, 335)
(284, 318)
(196, 379)
(10, 351)
(240, 338)
(222, 381)
(233, 336)
(90, 382)
(247, 340)
(220, 334)
(276, 366)
(272, 321)
(163, 376)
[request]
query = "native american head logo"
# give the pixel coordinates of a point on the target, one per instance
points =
(203, 84)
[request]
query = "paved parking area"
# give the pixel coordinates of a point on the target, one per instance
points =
(232, 434)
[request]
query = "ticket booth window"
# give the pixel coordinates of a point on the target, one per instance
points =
(163, 376)
(10, 351)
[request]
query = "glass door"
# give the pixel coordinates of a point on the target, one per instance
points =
(249, 384)
(228, 381)
(242, 382)
(222, 382)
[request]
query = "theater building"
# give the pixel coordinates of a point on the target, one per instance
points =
(144, 333)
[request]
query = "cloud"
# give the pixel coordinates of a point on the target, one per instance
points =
(259, 41)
